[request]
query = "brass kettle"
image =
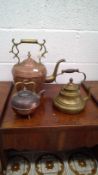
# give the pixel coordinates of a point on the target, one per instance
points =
(30, 70)
(24, 102)
(69, 100)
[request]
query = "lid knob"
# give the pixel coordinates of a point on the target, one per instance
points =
(29, 55)
(71, 80)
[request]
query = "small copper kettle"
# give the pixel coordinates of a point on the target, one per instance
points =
(69, 100)
(24, 102)
(29, 69)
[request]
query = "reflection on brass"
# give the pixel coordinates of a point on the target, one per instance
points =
(16, 164)
(49, 161)
(81, 159)
(29, 69)
(69, 100)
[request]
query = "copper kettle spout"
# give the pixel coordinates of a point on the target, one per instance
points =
(51, 78)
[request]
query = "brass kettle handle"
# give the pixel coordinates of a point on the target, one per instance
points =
(70, 71)
(27, 41)
(74, 70)
(17, 84)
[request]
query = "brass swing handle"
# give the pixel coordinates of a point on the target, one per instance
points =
(74, 70)
(70, 71)
(29, 41)
(24, 84)
(15, 45)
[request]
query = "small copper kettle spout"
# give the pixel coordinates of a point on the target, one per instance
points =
(52, 77)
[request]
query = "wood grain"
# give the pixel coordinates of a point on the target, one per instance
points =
(5, 89)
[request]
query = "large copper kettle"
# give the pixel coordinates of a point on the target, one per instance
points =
(30, 70)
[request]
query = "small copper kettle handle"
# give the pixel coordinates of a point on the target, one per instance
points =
(74, 70)
(15, 45)
(24, 85)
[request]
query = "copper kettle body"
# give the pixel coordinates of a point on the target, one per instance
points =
(30, 70)
(25, 102)
(69, 100)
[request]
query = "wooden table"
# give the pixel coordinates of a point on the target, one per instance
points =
(5, 91)
(49, 129)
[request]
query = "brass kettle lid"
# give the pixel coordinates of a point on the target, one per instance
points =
(71, 86)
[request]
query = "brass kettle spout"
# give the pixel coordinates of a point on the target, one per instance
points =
(51, 78)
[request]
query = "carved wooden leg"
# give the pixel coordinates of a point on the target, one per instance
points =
(3, 161)
(2, 156)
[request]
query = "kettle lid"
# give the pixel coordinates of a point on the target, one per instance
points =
(29, 68)
(71, 86)
(27, 63)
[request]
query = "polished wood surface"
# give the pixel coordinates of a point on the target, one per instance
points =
(49, 129)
